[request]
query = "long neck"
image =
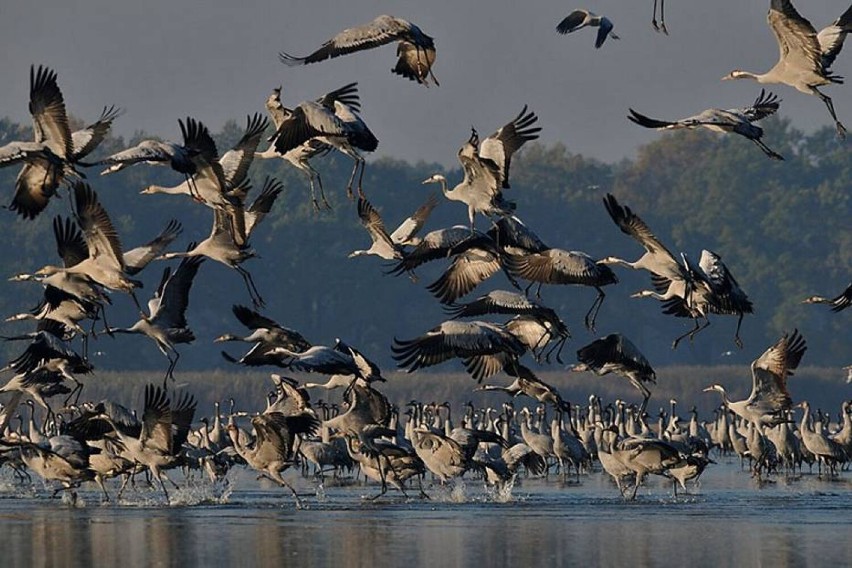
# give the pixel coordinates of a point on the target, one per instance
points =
(805, 415)
(760, 78)
(175, 190)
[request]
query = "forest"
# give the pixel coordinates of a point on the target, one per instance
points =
(784, 229)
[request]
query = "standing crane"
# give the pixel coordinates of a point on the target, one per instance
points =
(805, 56)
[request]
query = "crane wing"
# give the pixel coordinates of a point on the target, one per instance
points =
(101, 237)
(47, 107)
(84, 141)
(174, 294)
(467, 271)
(502, 145)
(831, 37)
(766, 104)
(70, 244)
(384, 29)
(572, 22)
(415, 62)
(262, 204)
(797, 39)
(253, 320)
(138, 258)
(412, 225)
(770, 370)
(236, 161)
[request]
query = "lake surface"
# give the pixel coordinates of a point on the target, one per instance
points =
(728, 521)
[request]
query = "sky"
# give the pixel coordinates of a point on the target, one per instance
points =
(215, 60)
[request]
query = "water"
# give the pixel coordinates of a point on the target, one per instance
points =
(728, 521)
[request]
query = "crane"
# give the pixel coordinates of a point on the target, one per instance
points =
(166, 322)
(51, 157)
(415, 50)
(486, 167)
(806, 56)
(838, 303)
(615, 353)
(736, 120)
(769, 400)
(332, 119)
(579, 19)
(300, 156)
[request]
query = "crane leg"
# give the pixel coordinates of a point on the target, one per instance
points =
(691, 333)
(841, 130)
(737, 341)
(654, 17)
(663, 17)
(256, 299)
(170, 371)
(592, 314)
(349, 193)
(363, 163)
(767, 150)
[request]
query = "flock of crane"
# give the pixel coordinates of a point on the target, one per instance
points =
(97, 441)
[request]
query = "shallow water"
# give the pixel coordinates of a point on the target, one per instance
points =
(728, 521)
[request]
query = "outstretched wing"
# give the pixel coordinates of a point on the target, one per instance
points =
(770, 370)
(101, 236)
(138, 258)
(89, 138)
(47, 107)
(502, 145)
(236, 161)
(381, 31)
(766, 104)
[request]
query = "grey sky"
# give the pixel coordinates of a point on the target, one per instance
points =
(215, 60)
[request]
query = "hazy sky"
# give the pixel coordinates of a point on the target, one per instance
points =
(215, 60)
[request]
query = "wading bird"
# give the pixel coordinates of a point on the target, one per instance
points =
(332, 119)
(736, 120)
(838, 303)
(486, 167)
(579, 19)
(415, 51)
(805, 55)
(617, 354)
(274, 444)
(266, 334)
(166, 322)
(300, 156)
(769, 400)
(50, 158)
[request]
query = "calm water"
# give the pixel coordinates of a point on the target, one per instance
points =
(728, 521)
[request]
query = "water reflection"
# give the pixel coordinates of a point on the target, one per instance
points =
(782, 525)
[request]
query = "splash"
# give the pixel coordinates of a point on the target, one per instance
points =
(501, 493)
(193, 491)
(320, 493)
